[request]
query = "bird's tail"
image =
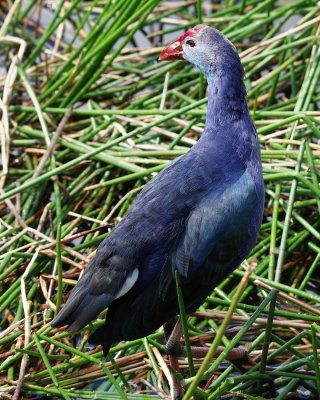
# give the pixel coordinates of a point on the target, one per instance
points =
(81, 307)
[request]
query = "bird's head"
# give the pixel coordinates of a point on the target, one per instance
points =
(205, 47)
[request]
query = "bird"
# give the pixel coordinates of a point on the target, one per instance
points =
(198, 218)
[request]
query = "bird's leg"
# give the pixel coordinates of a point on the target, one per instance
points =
(172, 331)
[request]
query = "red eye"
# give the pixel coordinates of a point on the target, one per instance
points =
(190, 43)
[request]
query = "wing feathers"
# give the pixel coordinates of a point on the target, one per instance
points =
(216, 219)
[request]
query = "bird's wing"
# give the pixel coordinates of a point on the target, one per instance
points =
(215, 221)
(214, 241)
(151, 227)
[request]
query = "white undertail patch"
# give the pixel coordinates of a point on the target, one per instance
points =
(130, 281)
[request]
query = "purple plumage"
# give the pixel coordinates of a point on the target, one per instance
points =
(200, 215)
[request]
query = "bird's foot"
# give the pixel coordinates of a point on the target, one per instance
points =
(239, 354)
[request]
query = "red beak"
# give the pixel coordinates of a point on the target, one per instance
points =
(174, 50)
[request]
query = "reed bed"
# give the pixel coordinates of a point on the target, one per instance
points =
(88, 117)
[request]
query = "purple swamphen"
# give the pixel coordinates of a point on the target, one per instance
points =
(200, 216)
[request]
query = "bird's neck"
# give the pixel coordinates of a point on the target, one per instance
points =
(226, 99)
